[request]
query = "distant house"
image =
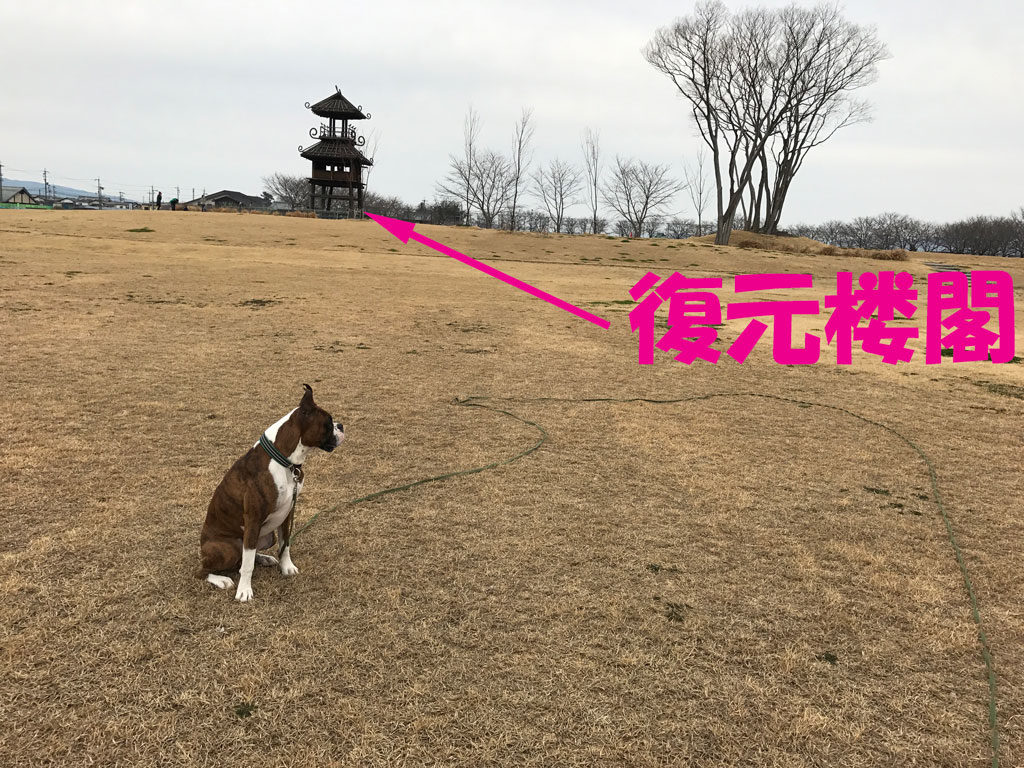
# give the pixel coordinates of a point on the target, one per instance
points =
(16, 196)
(227, 198)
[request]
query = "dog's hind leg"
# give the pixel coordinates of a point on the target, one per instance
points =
(219, 555)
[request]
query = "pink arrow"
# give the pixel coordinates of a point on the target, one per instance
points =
(405, 231)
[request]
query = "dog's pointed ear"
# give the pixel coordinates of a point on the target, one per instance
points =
(307, 403)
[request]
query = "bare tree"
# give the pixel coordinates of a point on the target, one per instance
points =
(697, 188)
(481, 179)
(293, 190)
(521, 157)
(575, 226)
(458, 182)
(832, 58)
(556, 188)
(679, 228)
(638, 190)
(491, 186)
(592, 167)
(536, 221)
(653, 225)
(725, 67)
(387, 205)
(764, 83)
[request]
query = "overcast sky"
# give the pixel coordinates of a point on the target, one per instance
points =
(210, 94)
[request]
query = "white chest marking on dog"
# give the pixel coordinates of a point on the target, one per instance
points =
(283, 478)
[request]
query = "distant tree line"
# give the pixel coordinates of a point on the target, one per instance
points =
(637, 192)
(492, 185)
(448, 212)
(978, 235)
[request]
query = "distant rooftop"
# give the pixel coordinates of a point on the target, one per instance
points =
(6, 193)
(238, 198)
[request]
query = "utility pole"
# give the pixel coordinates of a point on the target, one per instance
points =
(151, 195)
(99, 195)
(193, 193)
(46, 185)
(177, 192)
(1, 182)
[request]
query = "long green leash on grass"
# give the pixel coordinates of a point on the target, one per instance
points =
(478, 401)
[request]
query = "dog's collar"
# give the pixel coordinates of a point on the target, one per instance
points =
(275, 454)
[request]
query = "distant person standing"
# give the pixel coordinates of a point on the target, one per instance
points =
(159, 200)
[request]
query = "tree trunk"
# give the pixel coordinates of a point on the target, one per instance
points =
(725, 227)
(763, 196)
(772, 219)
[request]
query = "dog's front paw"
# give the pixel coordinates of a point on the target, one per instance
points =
(244, 593)
(266, 560)
(288, 567)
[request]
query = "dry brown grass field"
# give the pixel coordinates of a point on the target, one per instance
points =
(732, 581)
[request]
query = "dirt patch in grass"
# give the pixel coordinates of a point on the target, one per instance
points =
(1002, 388)
(258, 303)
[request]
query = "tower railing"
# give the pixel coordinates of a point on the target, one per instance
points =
(325, 132)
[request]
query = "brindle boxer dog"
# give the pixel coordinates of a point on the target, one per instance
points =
(256, 498)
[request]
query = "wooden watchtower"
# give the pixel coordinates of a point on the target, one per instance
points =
(336, 181)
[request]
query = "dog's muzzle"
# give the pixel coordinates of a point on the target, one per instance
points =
(334, 439)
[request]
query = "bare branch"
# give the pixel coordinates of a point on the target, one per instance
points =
(592, 167)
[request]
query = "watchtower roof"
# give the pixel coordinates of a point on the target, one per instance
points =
(335, 149)
(338, 107)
